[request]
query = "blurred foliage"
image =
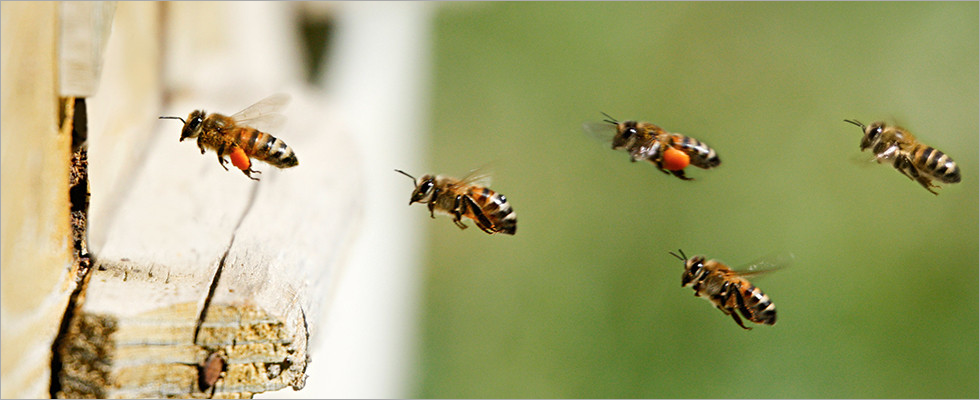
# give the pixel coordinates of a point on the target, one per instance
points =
(585, 302)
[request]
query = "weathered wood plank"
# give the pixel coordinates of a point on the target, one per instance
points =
(273, 246)
(35, 225)
(192, 260)
(84, 31)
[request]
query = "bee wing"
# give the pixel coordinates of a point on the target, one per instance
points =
(863, 160)
(264, 115)
(477, 177)
(766, 264)
(601, 131)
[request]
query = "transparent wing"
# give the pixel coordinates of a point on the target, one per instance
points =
(864, 159)
(264, 115)
(480, 177)
(766, 264)
(601, 131)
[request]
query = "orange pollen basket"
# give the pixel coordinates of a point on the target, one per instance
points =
(239, 159)
(675, 160)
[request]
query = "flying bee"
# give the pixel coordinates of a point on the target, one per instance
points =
(464, 198)
(670, 152)
(237, 136)
(729, 290)
(915, 160)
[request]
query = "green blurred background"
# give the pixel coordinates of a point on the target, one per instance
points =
(882, 300)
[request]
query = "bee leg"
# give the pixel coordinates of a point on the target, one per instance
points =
(742, 308)
(927, 183)
(220, 151)
(923, 180)
(248, 173)
(727, 292)
(458, 211)
(680, 174)
(725, 295)
(481, 218)
(637, 155)
(904, 164)
(659, 166)
(432, 204)
(221, 162)
(885, 154)
(738, 320)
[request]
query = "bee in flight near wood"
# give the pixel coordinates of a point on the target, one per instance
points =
(669, 152)
(729, 290)
(915, 160)
(239, 137)
(464, 198)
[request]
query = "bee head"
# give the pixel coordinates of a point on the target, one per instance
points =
(193, 125)
(625, 135)
(693, 267)
(424, 190)
(871, 132)
(423, 187)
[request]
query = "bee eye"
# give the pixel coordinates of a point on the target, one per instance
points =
(195, 122)
(696, 266)
(425, 187)
(874, 131)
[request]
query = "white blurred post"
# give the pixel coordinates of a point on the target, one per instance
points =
(378, 77)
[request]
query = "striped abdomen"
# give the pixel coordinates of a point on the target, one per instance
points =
(755, 305)
(702, 156)
(735, 295)
(495, 208)
(935, 163)
(265, 147)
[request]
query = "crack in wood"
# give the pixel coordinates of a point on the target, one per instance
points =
(74, 112)
(221, 265)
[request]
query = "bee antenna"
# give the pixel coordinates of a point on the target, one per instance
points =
(406, 174)
(181, 119)
(609, 119)
(855, 122)
(682, 257)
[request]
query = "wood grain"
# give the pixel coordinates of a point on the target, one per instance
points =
(191, 261)
(35, 225)
(199, 260)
